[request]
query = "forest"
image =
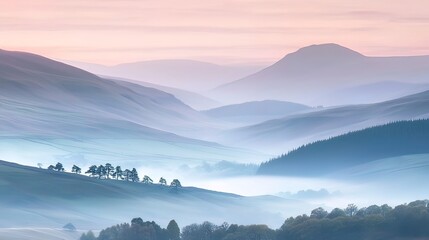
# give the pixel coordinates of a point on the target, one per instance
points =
(406, 221)
(347, 150)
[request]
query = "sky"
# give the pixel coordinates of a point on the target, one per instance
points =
(223, 31)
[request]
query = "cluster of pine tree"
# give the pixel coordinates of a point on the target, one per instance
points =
(108, 171)
(407, 221)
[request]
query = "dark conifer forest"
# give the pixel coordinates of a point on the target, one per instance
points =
(322, 157)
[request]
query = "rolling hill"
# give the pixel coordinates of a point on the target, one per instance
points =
(292, 131)
(61, 111)
(194, 100)
(41, 82)
(352, 149)
(309, 74)
(190, 75)
(33, 197)
(254, 112)
(373, 92)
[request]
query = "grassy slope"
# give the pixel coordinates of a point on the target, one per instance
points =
(33, 197)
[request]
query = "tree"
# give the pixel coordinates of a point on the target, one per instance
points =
(336, 212)
(385, 209)
(127, 174)
(418, 203)
(109, 170)
(162, 181)
(147, 180)
(92, 171)
(88, 236)
(76, 169)
(351, 210)
(176, 183)
(373, 210)
(51, 167)
(221, 231)
(59, 167)
(137, 221)
(134, 175)
(173, 230)
(360, 212)
(202, 231)
(39, 165)
(319, 213)
(101, 171)
(118, 173)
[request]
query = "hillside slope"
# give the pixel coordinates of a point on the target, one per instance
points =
(292, 131)
(33, 197)
(41, 82)
(373, 92)
(352, 149)
(254, 112)
(192, 99)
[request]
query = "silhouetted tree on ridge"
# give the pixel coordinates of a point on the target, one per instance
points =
(162, 181)
(59, 167)
(147, 180)
(109, 170)
(118, 173)
(76, 169)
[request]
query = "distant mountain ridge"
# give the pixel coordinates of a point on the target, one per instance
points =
(351, 149)
(191, 75)
(194, 100)
(314, 71)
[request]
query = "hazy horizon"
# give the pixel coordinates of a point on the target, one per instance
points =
(226, 32)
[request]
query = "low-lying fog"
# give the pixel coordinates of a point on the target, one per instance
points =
(394, 185)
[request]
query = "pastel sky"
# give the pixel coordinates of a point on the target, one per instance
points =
(220, 31)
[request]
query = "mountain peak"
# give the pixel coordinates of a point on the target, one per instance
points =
(327, 50)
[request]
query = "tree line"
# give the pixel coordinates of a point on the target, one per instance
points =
(407, 221)
(108, 171)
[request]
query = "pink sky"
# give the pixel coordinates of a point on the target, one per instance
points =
(221, 31)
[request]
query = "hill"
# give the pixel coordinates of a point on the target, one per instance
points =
(298, 129)
(41, 82)
(33, 197)
(254, 112)
(194, 100)
(352, 149)
(309, 74)
(373, 92)
(62, 112)
(195, 76)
